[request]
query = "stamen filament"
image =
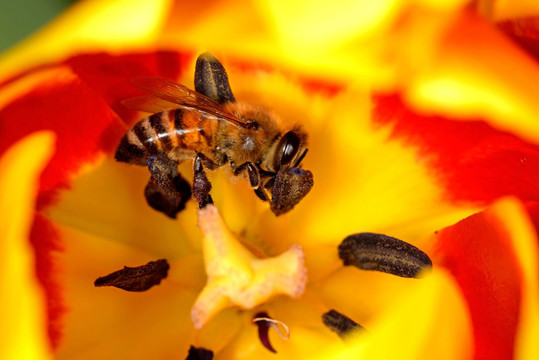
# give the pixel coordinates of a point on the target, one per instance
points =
(275, 325)
(264, 322)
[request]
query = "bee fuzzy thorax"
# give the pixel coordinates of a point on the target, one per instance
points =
(260, 143)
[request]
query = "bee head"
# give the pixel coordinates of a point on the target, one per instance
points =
(290, 184)
(289, 151)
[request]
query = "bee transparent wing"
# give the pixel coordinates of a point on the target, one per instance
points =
(149, 104)
(185, 98)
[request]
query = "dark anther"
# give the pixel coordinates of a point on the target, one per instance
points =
(291, 185)
(211, 79)
(199, 354)
(264, 322)
(139, 278)
(379, 252)
(340, 324)
(183, 188)
(167, 191)
(168, 202)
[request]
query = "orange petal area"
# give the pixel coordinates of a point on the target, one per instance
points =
(524, 32)
(493, 256)
(475, 71)
(508, 9)
(236, 277)
(430, 321)
(345, 41)
(22, 304)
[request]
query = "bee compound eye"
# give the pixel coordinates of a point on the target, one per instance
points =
(288, 148)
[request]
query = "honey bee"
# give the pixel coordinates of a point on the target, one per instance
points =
(211, 128)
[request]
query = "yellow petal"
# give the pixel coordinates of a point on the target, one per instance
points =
(236, 277)
(23, 324)
(104, 323)
(430, 322)
(127, 218)
(372, 181)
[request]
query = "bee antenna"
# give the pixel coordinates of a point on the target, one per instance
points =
(301, 158)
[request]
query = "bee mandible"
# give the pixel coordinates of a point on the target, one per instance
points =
(211, 128)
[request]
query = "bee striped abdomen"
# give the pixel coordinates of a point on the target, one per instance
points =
(171, 132)
(160, 124)
(148, 137)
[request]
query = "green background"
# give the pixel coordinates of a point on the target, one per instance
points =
(20, 18)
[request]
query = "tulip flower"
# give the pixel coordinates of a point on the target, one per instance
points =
(422, 135)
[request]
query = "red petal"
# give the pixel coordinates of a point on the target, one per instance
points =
(46, 241)
(474, 161)
(79, 109)
(479, 254)
(83, 123)
(533, 210)
(110, 76)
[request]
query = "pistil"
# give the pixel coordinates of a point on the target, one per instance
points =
(236, 277)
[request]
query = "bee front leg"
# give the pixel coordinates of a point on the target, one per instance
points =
(167, 191)
(252, 172)
(201, 184)
(254, 178)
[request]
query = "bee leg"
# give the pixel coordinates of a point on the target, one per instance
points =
(201, 184)
(254, 179)
(252, 172)
(167, 191)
